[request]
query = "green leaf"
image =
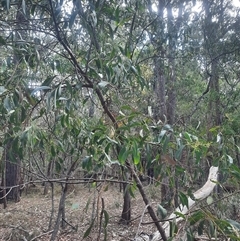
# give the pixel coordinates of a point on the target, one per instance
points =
(136, 154)
(209, 200)
(201, 227)
(87, 163)
(230, 159)
(98, 63)
(33, 9)
(134, 70)
(131, 190)
(15, 144)
(161, 135)
(123, 154)
(55, 98)
(106, 218)
(7, 104)
(48, 80)
(103, 84)
(183, 199)
(173, 228)
(234, 223)
(190, 236)
(39, 89)
(187, 136)
(53, 152)
(2, 90)
(58, 166)
(161, 212)
(88, 230)
(180, 215)
(211, 228)
(2, 41)
(196, 217)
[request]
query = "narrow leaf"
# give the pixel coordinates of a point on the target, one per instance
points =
(103, 84)
(88, 230)
(39, 89)
(24, 7)
(2, 90)
(106, 217)
(2, 41)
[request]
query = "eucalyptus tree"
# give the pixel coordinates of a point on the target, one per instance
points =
(169, 21)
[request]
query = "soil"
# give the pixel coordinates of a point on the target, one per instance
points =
(29, 218)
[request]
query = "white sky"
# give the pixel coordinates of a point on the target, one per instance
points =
(197, 7)
(235, 3)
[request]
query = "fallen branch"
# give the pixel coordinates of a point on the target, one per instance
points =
(199, 195)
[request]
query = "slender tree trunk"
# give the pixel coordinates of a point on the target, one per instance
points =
(3, 182)
(13, 162)
(126, 212)
(171, 89)
(61, 209)
(212, 35)
(49, 175)
(52, 211)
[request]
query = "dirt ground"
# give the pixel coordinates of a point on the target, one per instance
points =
(29, 219)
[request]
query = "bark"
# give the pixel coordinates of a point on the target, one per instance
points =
(11, 176)
(160, 110)
(49, 175)
(171, 89)
(126, 212)
(3, 182)
(12, 161)
(61, 209)
(52, 209)
(13, 179)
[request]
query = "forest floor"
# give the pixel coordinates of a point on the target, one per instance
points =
(29, 219)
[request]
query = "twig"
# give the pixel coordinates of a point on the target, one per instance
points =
(43, 234)
(144, 211)
(75, 228)
(10, 189)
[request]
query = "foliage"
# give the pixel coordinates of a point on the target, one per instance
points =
(78, 85)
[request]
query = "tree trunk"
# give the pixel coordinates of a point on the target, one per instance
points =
(12, 160)
(126, 212)
(11, 176)
(3, 182)
(13, 179)
(61, 214)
